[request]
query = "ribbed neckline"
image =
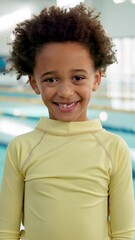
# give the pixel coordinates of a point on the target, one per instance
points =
(56, 127)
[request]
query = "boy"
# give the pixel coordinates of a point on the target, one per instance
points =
(69, 178)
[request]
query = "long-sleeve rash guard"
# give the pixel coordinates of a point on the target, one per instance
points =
(67, 181)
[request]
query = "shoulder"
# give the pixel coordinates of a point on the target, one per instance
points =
(26, 138)
(111, 138)
(21, 146)
(29, 138)
(113, 144)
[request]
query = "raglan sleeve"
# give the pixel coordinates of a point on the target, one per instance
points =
(11, 197)
(121, 196)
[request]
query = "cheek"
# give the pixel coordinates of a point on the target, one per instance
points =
(85, 95)
(87, 92)
(46, 93)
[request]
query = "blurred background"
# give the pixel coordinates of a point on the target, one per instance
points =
(113, 103)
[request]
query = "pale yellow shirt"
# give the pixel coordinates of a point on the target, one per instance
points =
(71, 181)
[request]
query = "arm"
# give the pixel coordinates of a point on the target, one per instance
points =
(11, 198)
(121, 197)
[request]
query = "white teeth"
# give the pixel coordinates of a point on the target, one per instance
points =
(66, 105)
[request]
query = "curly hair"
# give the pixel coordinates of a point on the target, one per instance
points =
(77, 24)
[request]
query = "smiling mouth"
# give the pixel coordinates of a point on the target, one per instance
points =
(66, 106)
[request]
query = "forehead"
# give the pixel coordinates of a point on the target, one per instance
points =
(65, 52)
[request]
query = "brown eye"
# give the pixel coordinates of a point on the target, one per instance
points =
(50, 80)
(78, 78)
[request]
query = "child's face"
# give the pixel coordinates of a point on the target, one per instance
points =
(64, 76)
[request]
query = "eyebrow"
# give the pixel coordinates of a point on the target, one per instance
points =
(48, 73)
(55, 72)
(78, 70)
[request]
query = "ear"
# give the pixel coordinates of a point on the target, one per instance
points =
(97, 80)
(33, 84)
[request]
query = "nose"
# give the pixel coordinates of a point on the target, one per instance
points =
(65, 90)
